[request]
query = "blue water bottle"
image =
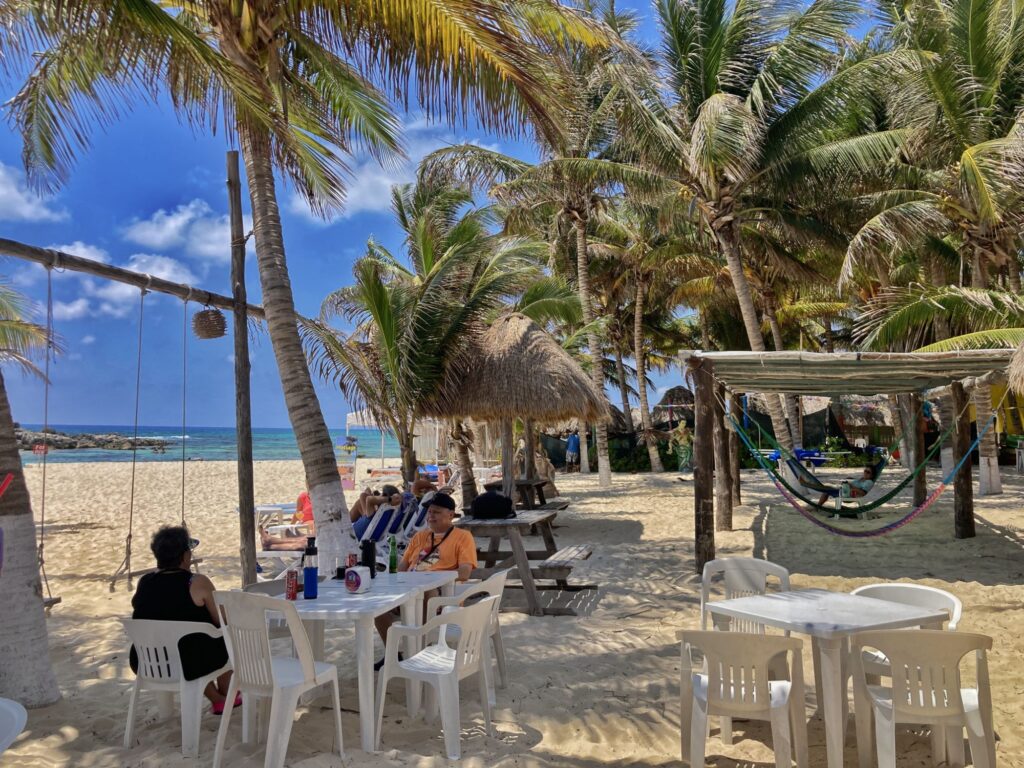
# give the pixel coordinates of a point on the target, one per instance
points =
(310, 569)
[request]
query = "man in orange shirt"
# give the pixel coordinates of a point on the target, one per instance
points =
(439, 547)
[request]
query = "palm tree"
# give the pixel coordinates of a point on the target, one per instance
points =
(27, 675)
(287, 80)
(755, 122)
(413, 316)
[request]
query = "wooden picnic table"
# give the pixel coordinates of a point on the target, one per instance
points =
(526, 487)
(555, 564)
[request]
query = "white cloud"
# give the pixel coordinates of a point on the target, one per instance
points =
(368, 188)
(87, 340)
(193, 228)
(86, 251)
(71, 310)
(118, 299)
(18, 203)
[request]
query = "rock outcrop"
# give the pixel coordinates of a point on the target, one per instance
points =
(60, 441)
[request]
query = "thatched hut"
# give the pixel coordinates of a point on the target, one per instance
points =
(514, 369)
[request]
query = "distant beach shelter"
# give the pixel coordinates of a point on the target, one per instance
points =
(515, 369)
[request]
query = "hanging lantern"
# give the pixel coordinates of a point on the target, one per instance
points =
(209, 323)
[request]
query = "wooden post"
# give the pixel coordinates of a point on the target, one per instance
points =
(963, 488)
(507, 451)
(734, 451)
(529, 468)
(703, 458)
(917, 438)
(723, 484)
(243, 408)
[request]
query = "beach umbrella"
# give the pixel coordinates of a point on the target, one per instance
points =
(514, 369)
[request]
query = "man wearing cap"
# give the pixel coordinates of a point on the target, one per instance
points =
(441, 546)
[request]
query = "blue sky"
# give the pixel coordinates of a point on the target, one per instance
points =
(149, 195)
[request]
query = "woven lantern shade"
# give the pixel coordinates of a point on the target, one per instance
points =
(209, 324)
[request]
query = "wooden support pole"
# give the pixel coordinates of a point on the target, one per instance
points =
(703, 463)
(243, 407)
(917, 438)
(963, 488)
(507, 450)
(529, 465)
(734, 451)
(723, 484)
(66, 261)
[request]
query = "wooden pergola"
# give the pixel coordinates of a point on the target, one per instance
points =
(715, 374)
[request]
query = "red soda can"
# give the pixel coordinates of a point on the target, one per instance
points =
(291, 584)
(353, 559)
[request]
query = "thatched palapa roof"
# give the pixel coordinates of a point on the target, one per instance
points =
(514, 369)
(1015, 371)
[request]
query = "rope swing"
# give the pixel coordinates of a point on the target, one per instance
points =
(184, 395)
(126, 564)
(40, 557)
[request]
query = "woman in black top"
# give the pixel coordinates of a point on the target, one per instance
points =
(174, 593)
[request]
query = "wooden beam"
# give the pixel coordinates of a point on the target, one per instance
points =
(723, 485)
(963, 488)
(66, 261)
(703, 463)
(917, 439)
(243, 406)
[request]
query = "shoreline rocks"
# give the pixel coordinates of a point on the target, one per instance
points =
(60, 441)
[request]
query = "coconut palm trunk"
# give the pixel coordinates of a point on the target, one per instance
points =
(728, 244)
(26, 674)
(584, 450)
(789, 401)
(641, 374)
(896, 408)
(410, 465)
(987, 448)
(604, 469)
(315, 446)
(461, 439)
(620, 375)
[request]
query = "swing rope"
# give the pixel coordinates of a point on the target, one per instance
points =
(40, 558)
(126, 564)
(184, 399)
(867, 507)
(914, 513)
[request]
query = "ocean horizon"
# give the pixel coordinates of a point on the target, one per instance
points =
(206, 444)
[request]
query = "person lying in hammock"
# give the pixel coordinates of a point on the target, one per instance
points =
(858, 487)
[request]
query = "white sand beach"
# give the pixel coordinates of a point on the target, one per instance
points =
(595, 690)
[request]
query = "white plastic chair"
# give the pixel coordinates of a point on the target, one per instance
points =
(925, 670)
(12, 722)
(277, 627)
(156, 644)
(441, 667)
(737, 683)
(743, 576)
(491, 587)
(260, 675)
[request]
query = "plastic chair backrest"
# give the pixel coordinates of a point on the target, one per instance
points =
(244, 618)
(925, 668)
(918, 595)
(743, 576)
(401, 518)
(419, 519)
(491, 587)
(473, 622)
(379, 523)
(737, 667)
(156, 644)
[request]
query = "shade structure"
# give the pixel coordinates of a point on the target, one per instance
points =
(848, 373)
(514, 369)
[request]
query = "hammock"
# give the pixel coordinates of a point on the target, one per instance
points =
(809, 480)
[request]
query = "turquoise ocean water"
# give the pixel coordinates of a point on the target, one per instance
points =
(207, 443)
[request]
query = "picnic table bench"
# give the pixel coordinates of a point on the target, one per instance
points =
(527, 488)
(554, 564)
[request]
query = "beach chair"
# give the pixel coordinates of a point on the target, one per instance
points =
(12, 722)
(379, 523)
(491, 587)
(925, 690)
(156, 644)
(737, 684)
(260, 675)
(442, 667)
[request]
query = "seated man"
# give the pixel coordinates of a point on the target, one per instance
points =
(858, 487)
(366, 505)
(294, 539)
(439, 547)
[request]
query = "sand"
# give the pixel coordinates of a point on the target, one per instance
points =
(594, 690)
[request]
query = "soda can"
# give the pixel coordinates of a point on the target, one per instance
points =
(353, 559)
(291, 584)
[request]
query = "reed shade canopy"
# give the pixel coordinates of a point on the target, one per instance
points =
(514, 369)
(1015, 372)
(851, 373)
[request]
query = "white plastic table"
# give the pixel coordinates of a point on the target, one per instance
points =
(829, 618)
(12, 722)
(335, 603)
